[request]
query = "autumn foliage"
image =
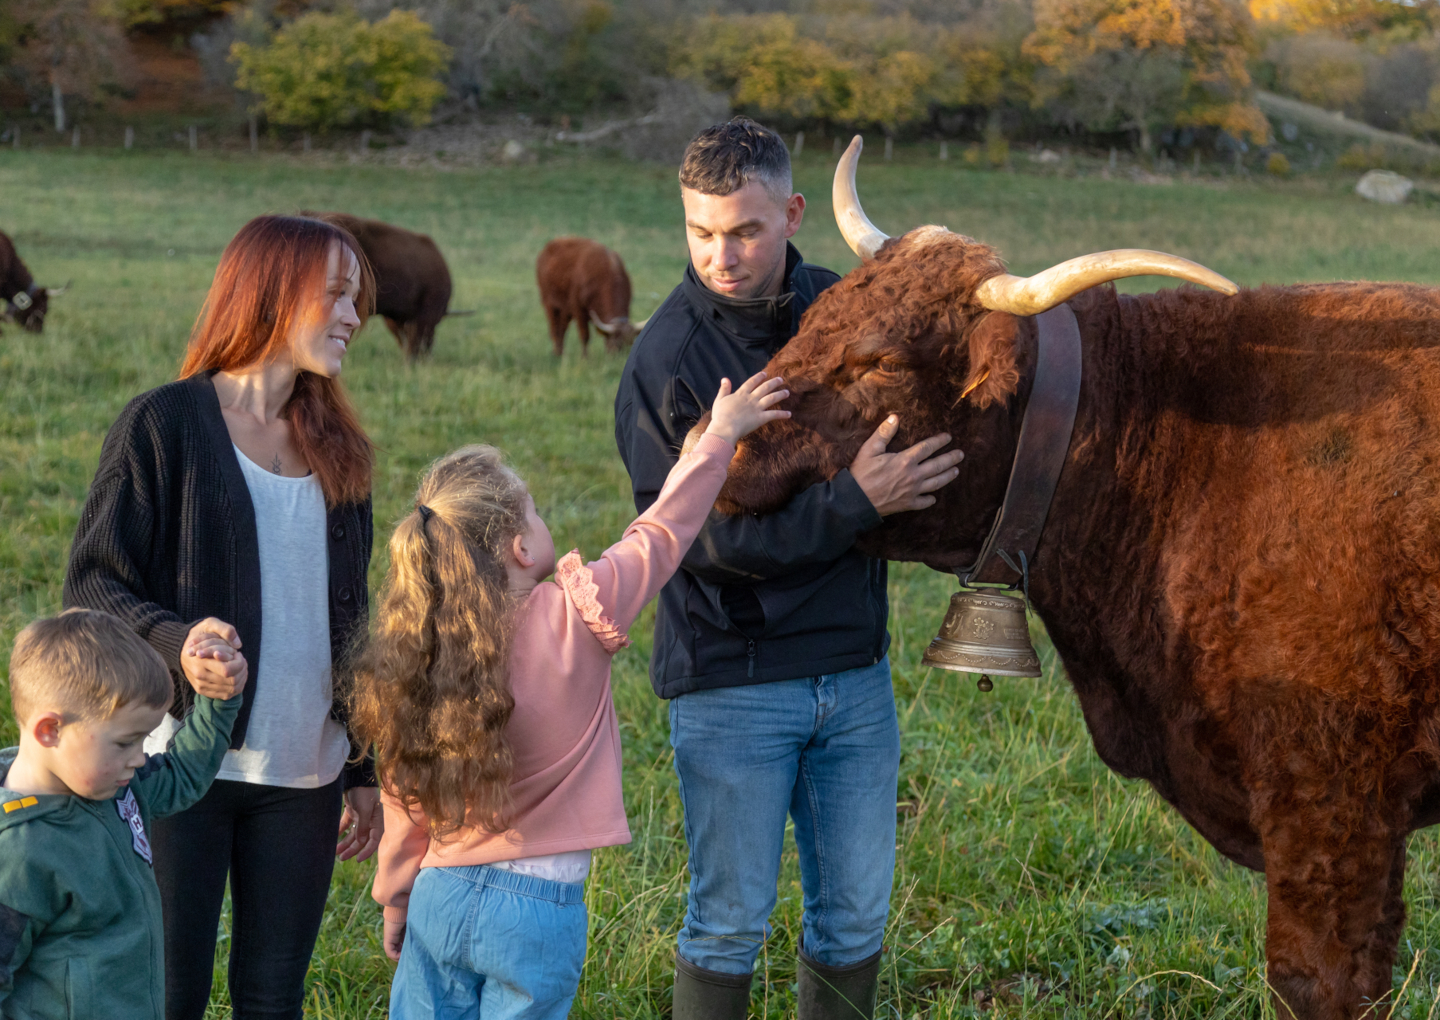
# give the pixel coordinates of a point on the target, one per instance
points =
(336, 70)
(1095, 65)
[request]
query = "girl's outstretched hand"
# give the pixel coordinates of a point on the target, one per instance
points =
(734, 415)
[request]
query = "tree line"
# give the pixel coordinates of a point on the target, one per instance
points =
(1150, 73)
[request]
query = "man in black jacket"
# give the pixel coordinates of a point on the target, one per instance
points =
(771, 639)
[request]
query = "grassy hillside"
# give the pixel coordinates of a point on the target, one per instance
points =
(1032, 881)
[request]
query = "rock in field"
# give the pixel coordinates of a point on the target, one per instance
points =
(1384, 186)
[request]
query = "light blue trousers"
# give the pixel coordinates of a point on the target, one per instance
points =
(486, 944)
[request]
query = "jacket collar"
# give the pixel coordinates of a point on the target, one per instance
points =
(769, 321)
(20, 808)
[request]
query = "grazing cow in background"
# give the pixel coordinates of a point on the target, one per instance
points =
(412, 282)
(26, 302)
(1240, 567)
(583, 280)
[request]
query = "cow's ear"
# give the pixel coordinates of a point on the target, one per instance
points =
(994, 375)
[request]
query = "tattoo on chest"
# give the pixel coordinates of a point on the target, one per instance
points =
(275, 465)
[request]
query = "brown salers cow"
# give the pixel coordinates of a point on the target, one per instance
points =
(1241, 565)
(26, 302)
(412, 281)
(585, 281)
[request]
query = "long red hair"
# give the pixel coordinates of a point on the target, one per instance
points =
(270, 278)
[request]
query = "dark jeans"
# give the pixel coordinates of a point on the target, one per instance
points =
(278, 847)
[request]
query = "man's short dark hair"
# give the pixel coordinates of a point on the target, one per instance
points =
(723, 159)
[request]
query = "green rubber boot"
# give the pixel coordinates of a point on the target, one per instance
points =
(838, 993)
(702, 994)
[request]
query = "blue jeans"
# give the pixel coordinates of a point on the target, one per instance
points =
(826, 750)
(486, 944)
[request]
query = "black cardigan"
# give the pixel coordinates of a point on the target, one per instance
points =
(167, 538)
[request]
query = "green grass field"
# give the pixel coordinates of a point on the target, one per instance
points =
(1031, 880)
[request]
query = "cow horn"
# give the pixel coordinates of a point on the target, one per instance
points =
(605, 327)
(863, 237)
(641, 324)
(1031, 295)
(1022, 295)
(57, 291)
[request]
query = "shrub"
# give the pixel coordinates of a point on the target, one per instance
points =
(997, 150)
(325, 71)
(1320, 69)
(1278, 165)
(1361, 157)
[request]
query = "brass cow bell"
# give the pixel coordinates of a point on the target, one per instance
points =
(984, 632)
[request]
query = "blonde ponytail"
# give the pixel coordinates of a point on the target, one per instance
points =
(433, 691)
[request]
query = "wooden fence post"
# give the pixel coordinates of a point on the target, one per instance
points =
(129, 137)
(944, 151)
(254, 134)
(799, 143)
(194, 140)
(889, 147)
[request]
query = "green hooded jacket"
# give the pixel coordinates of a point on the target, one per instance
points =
(80, 929)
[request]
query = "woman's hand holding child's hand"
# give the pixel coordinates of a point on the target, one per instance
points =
(212, 661)
(735, 415)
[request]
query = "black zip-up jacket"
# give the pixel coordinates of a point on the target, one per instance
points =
(757, 599)
(167, 538)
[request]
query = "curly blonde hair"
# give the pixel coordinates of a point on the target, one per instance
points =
(432, 691)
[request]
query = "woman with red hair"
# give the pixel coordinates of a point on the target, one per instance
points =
(229, 524)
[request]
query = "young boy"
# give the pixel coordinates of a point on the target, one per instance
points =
(80, 929)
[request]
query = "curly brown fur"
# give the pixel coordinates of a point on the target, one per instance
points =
(1240, 569)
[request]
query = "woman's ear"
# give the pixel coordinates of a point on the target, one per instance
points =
(994, 374)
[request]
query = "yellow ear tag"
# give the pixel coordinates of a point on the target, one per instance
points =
(971, 388)
(16, 805)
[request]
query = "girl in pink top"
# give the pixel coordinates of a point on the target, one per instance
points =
(487, 695)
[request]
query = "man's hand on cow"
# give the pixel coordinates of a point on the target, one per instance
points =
(895, 482)
(211, 660)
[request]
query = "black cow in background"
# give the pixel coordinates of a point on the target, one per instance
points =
(412, 282)
(26, 302)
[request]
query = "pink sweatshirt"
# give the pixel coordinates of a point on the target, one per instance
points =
(566, 792)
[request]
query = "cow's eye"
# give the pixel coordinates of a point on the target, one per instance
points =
(887, 365)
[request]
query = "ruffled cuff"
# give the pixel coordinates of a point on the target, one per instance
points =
(575, 577)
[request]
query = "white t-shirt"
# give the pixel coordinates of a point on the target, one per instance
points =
(291, 739)
(569, 866)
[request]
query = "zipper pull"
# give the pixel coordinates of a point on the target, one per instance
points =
(750, 652)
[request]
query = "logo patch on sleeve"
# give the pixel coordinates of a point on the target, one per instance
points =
(129, 809)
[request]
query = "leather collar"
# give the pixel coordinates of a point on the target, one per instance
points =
(1009, 551)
